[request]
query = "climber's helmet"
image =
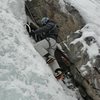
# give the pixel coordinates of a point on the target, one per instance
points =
(44, 20)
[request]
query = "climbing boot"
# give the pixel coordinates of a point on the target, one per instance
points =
(50, 59)
(59, 75)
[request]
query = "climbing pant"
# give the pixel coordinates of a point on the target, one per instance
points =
(44, 46)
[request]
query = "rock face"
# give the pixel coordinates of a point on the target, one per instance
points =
(68, 22)
(86, 70)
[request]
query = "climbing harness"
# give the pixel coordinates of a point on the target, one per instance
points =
(50, 46)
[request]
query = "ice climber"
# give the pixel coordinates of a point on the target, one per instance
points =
(48, 34)
(47, 42)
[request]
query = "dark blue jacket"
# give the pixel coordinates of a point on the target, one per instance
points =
(50, 30)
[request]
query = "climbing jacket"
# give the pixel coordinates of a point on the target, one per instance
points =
(50, 30)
